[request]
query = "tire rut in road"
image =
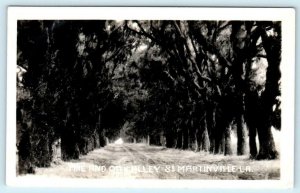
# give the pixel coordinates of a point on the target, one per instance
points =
(146, 160)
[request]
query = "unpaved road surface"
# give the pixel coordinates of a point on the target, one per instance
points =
(140, 161)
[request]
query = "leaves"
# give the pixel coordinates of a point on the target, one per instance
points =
(84, 77)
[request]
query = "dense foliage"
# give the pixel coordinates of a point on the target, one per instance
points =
(182, 84)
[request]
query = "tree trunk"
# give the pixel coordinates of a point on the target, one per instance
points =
(239, 38)
(101, 132)
(148, 140)
(252, 141)
(222, 145)
(169, 139)
(69, 148)
(251, 117)
(210, 121)
(179, 139)
(82, 146)
(102, 139)
(219, 133)
(154, 139)
(218, 143)
(241, 135)
(185, 144)
(192, 139)
(227, 148)
(96, 140)
(205, 140)
(198, 139)
(25, 162)
(272, 46)
(267, 148)
(42, 153)
(205, 143)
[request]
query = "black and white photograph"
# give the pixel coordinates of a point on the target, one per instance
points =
(146, 98)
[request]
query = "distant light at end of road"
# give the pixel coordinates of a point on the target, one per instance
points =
(119, 141)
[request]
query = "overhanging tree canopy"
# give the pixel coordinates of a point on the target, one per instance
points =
(188, 82)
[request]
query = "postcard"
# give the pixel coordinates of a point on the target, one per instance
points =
(150, 97)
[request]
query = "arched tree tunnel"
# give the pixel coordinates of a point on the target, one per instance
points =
(191, 85)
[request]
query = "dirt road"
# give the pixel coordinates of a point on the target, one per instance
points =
(140, 161)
